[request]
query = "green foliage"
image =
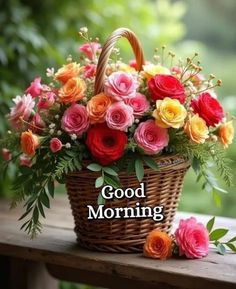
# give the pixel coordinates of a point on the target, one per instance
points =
(216, 235)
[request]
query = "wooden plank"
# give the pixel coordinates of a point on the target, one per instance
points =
(57, 246)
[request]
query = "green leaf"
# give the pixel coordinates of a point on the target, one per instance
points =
(149, 161)
(220, 190)
(94, 167)
(196, 165)
(216, 198)
(45, 200)
(41, 210)
(210, 224)
(217, 234)
(25, 214)
(130, 166)
(110, 171)
(35, 215)
(99, 182)
(221, 249)
(112, 181)
(100, 200)
(231, 246)
(139, 169)
(232, 240)
(51, 188)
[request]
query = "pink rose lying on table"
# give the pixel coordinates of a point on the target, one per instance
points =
(121, 85)
(192, 239)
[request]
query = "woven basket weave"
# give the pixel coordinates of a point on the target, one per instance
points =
(162, 187)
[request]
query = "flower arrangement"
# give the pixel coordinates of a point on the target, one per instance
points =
(59, 126)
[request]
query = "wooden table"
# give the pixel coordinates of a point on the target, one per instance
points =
(24, 264)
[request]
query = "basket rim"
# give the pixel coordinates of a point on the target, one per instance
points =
(165, 161)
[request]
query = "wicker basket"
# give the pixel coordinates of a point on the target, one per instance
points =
(161, 188)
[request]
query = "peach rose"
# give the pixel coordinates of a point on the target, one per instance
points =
(72, 91)
(226, 133)
(68, 71)
(169, 113)
(158, 245)
(196, 129)
(29, 143)
(97, 107)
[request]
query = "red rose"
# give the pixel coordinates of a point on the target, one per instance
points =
(163, 85)
(208, 108)
(105, 144)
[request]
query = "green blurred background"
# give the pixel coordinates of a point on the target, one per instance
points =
(35, 35)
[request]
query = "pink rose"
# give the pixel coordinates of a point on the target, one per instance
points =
(35, 87)
(119, 116)
(139, 103)
(36, 124)
(22, 110)
(90, 49)
(46, 100)
(151, 138)
(25, 161)
(55, 145)
(120, 85)
(90, 70)
(6, 154)
(75, 119)
(192, 239)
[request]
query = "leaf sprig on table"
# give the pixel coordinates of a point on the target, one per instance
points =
(216, 236)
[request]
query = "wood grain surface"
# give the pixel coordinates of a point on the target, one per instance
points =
(57, 248)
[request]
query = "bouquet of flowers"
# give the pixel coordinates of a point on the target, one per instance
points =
(61, 124)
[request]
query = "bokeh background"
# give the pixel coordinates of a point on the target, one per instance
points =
(35, 35)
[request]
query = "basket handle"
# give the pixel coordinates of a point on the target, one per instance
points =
(107, 49)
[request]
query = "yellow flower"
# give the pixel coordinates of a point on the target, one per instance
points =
(226, 133)
(150, 70)
(119, 66)
(169, 113)
(196, 129)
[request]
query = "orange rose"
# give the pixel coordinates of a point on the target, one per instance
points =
(158, 245)
(226, 133)
(68, 71)
(29, 143)
(196, 129)
(72, 91)
(97, 107)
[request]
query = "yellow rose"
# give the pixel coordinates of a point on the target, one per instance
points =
(226, 133)
(169, 113)
(196, 129)
(150, 70)
(119, 66)
(68, 71)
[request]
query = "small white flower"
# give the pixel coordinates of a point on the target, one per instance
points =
(52, 125)
(73, 136)
(69, 58)
(85, 99)
(68, 145)
(136, 120)
(50, 72)
(57, 116)
(84, 29)
(51, 131)
(59, 132)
